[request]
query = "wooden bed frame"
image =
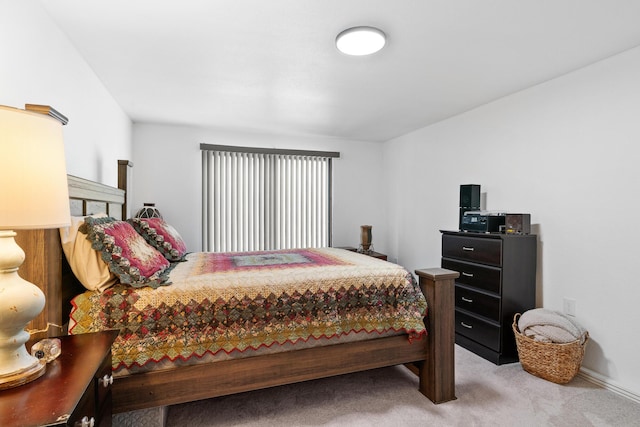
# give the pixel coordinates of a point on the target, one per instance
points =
(432, 359)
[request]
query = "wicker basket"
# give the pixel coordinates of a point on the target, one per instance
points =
(558, 363)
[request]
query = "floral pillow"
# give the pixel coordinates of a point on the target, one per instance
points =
(161, 236)
(126, 253)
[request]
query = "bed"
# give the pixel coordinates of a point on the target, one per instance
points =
(429, 354)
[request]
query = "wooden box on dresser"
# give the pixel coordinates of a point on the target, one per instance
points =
(74, 391)
(497, 280)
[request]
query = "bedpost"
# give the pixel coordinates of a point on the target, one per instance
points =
(437, 373)
(125, 170)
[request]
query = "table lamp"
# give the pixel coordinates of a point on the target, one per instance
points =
(33, 195)
(148, 210)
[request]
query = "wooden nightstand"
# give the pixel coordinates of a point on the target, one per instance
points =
(371, 253)
(75, 388)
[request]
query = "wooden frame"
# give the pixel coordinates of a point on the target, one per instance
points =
(431, 358)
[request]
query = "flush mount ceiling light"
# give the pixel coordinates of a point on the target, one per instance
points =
(360, 41)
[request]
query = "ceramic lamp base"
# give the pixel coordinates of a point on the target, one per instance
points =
(23, 376)
(21, 302)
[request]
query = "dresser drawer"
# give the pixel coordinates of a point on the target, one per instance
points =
(481, 331)
(473, 249)
(86, 408)
(476, 275)
(478, 303)
(104, 401)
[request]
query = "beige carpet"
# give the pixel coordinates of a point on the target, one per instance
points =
(488, 395)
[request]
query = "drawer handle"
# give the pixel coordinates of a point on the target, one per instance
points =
(467, 274)
(106, 381)
(466, 326)
(466, 299)
(86, 422)
(467, 248)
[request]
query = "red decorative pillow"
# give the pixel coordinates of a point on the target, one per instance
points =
(127, 254)
(161, 236)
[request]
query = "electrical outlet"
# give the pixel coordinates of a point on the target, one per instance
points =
(569, 306)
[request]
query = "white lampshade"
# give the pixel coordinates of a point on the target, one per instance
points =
(33, 174)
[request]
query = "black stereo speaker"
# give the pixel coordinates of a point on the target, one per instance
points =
(470, 196)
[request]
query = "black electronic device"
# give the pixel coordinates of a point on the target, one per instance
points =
(482, 221)
(470, 196)
(517, 223)
(469, 200)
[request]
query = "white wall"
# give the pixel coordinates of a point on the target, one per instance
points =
(167, 171)
(565, 151)
(38, 65)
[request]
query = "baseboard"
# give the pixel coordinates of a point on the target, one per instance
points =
(607, 383)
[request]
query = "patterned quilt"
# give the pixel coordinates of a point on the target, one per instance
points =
(224, 302)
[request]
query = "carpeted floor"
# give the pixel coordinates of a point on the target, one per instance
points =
(488, 395)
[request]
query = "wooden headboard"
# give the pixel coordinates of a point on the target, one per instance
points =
(45, 264)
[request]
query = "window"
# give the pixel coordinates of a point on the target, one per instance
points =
(262, 199)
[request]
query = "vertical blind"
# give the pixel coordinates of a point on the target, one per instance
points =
(262, 199)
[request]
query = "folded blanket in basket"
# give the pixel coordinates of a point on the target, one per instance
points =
(546, 325)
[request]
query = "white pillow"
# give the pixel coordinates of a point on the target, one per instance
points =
(86, 263)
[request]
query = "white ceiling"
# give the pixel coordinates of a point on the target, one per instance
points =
(272, 66)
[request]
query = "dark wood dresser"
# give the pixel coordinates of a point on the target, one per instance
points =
(497, 280)
(74, 391)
